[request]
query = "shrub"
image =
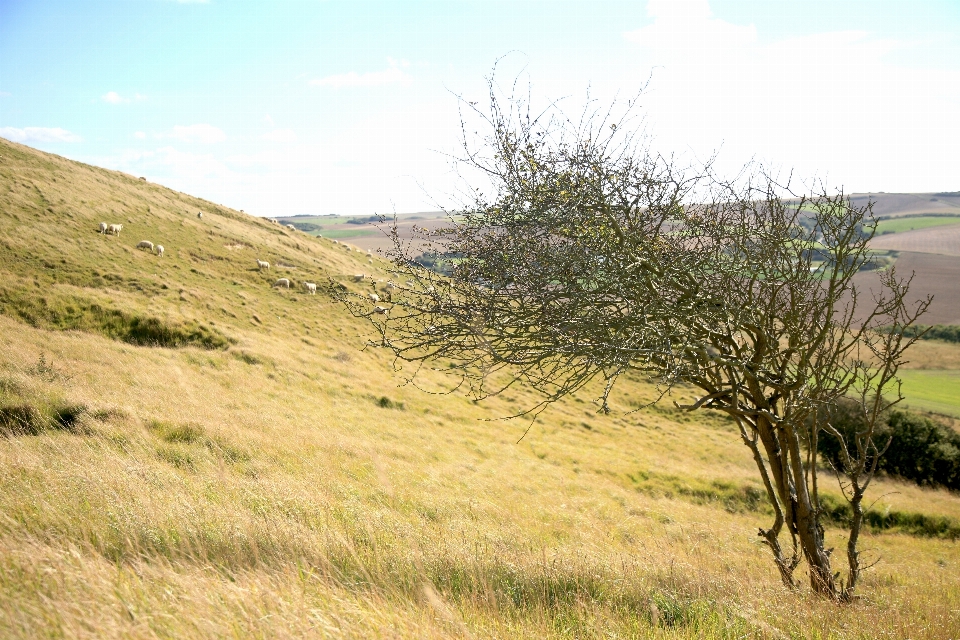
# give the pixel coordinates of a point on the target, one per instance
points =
(921, 449)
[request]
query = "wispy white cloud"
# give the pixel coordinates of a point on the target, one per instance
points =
(202, 133)
(113, 97)
(389, 75)
(280, 135)
(38, 134)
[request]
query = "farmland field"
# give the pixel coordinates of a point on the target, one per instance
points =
(943, 240)
(899, 225)
(933, 390)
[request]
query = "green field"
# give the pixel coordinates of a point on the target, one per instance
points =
(899, 225)
(340, 234)
(936, 390)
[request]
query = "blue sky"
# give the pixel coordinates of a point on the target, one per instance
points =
(284, 107)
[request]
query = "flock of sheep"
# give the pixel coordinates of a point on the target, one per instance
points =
(262, 265)
(115, 229)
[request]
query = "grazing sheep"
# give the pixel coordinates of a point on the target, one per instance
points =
(114, 229)
(145, 244)
(159, 249)
(359, 277)
(310, 287)
(282, 282)
(200, 215)
(373, 297)
(336, 242)
(380, 310)
(409, 283)
(291, 227)
(370, 261)
(103, 227)
(263, 264)
(390, 285)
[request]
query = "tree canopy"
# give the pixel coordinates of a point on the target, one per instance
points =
(592, 256)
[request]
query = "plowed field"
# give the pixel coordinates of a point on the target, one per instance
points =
(944, 240)
(936, 275)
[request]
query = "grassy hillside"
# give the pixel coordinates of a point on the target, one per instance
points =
(188, 452)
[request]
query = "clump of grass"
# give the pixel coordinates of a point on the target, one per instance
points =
(26, 418)
(734, 497)
(72, 313)
(176, 456)
(47, 371)
(249, 358)
(387, 403)
(187, 433)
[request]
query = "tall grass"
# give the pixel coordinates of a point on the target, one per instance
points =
(292, 485)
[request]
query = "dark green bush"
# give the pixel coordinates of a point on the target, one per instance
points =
(945, 332)
(921, 449)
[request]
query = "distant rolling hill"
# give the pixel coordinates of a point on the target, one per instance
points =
(903, 204)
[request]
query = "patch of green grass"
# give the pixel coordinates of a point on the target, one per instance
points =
(915, 524)
(733, 497)
(346, 233)
(71, 313)
(32, 418)
(936, 390)
(899, 225)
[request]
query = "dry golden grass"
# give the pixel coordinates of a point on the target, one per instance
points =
(262, 490)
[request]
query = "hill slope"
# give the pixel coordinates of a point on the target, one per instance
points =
(261, 475)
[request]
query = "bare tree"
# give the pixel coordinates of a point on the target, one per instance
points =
(592, 257)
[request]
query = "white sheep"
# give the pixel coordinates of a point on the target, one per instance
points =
(310, 287)
(200, 215)
(390, 285)
(103, 227)
(358, 278)
(263, 264)
(145, 244)
(114, 229)
(336, 242)
(409, 283)
(291, 227)
(159, 249)
(380, 310)
(373, 297)
(282, 282)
